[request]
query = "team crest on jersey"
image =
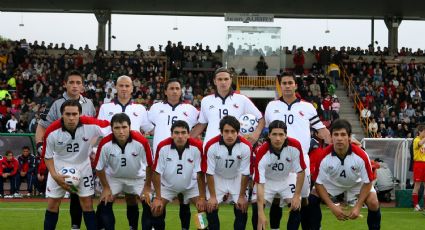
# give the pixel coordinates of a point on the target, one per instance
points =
(110, 113)
(239, 157)
(276, 111)
(236, 106)
(161, 111)
(85, 139)
(211, 107)
(134, 154)
(288, 160)
(301, 113)
(169, 159)
(135, 114)
(190, 160)
(353, 168)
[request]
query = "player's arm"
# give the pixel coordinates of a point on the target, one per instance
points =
(106, 195)
(364, 192)
(336, 210)
(197, 130)
(296, 199)
(212, 202)
(325, 135)
(262, 219)
(60, 179)
(257, 132)
(148, 181)
(242, 202)
(202, 191)
(39, 134)
(157, 204)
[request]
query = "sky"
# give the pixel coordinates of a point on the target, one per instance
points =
(130, 30)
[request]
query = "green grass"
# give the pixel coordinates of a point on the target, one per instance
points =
(30, 215)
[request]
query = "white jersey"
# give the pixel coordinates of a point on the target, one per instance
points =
(178, 169)
(68, 149)
(276, 166)
(344, 173)
(298, 117)
(162, 115)
(214, 108)
(137, 113)
(128, 162)
(227, 162)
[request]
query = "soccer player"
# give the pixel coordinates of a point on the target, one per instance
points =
(275, 159)
(226, 162)
(223, 103)
(177, 160)
(418, 165)
(139, 122)
(67, 142)
(74, 85)
(122, 158)
(162, 115)
(346, 169)
(299, 116)
(27, 170)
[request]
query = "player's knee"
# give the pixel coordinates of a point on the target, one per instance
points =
(372, 202)
(86, 204)
(53, 205)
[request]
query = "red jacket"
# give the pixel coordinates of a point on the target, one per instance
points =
(11, 165)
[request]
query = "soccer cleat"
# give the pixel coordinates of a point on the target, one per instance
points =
(1, 195)
(417, 208)
(17, 195)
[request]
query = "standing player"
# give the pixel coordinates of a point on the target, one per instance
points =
(346, 169)
(298, 116)
(122, 158)
(162, 115)
(418, 165)
(223, 103)
(139, 122)
(226, 162)
(275, 159)
(74, 86)
(67, 142)
(177, 160)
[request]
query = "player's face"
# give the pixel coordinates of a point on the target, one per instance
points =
(229, 135)
(74, 86)
(340, 140)
(288, 86)
(121, 131)
(173, 92)
(124, 88)
(71, 117)
(25, 152)
(9, 156)
(180, 136)
(277, 137)
(223, 82)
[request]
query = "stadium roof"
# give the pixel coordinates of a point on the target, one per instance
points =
(378, 9)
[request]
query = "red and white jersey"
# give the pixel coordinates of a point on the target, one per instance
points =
(178, 169)
(344, 173)
(162, 115)
(276, 166)
(137, 113)
(227, 162)
(68, 149)
(298, 117)
(214, 108)
(128, 162)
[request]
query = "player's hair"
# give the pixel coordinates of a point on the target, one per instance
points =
(230, 120)
(287, 74)
(120, 118)
(341, 124)
(8, 152)
(222, 70)
(72, 103)
(420, 128)
(181, 124)
(25, 147)
(73, 73)
(124, 77)
(278, 124)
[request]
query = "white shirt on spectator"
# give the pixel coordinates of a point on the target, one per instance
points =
(11, 125)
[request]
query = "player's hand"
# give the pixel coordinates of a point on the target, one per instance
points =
(201, 204)
(262, 221)
(5, 175)
(339, 213)
(60, 179)
(157, 207)
(295, 203)
(106, 195)
(145, 195)
(355, 213)
(252, 138)
(23, 174)
(212, 204)
(242, 204)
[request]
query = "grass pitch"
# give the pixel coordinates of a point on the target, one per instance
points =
(28, 215)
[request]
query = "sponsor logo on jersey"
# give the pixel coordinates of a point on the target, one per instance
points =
(276, 111)
(236, 106)
(217, 157)
(301, 113)
(330, 167)
(85, 139)
(169, 159)
(161, 111)
(190, 160)
(110, 113)
(211, 107)
(135, 114)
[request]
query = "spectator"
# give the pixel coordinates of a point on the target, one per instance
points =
(299, 61)
(27, 170)
(261, 67)
(12, 124)
(327, 107)
(373, 128)
(9, 168)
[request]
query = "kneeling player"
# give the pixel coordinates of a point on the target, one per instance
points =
(275, 159)
(226, 162)
(346, 169)
(122, 157)
(177, 161)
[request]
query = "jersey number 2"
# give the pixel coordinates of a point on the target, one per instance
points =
(179, 169)
(72, 148)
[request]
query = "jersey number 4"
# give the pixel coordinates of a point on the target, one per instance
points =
(343, 174)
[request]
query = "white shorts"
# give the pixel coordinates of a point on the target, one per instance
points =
(351, 192)
(225, 186)
(125, 185)
(85, 188)
(305, 191)
(276, 189)
(169, 193)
